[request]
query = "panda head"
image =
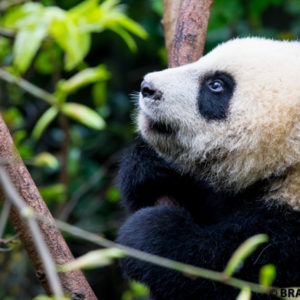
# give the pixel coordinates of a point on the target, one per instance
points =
(232, 117)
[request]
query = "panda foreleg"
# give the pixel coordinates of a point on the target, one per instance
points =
(172, 233)
(144, 176)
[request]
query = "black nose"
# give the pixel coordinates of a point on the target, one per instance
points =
(148, 91)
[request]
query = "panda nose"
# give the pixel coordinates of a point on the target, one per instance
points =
(149, 91)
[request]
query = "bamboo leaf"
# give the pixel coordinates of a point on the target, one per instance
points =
(44, 122)
(97, 258)
(267, 275)
(128, 39)
(84, 115)
(245, 294)
(22, 16)
(68, 36)
(26, 45)
(46, 159)
(83, 78)
(243, 251)
(132, 26)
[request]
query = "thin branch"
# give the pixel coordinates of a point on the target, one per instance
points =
(29, 87)
(4, 217)
(43, 251)
(67, 209)
(74, 283)
(160, 261)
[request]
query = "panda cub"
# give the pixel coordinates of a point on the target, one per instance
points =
(220, 138)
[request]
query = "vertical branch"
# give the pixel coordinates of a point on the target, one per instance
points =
(171, 11)
(187, 42)
(73, 283)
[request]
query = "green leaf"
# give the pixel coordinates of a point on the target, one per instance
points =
(19, 136)
(99, 91)
(23, 16)
(41, 297)
(267, 275)
(83, 78)
(125, 36)
(46, 159)
(131, 26)
(96, 258)
(139, 289)
(55, 192)
(26, 45)
(245, 294)
(243, 251)
(83, 9)
(44, 122)
(66, 33)
(84, 115)
(113, 195)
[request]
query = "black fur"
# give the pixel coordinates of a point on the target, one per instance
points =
(214, 106)
(204, 231)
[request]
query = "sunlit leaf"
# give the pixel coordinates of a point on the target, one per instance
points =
(131, 26)
(23, 16)
(83, 8)
(92, 259)
(28, 41)
(87, 76)
(245, 294)
(44, 122)
(84, 115)
(46, 159)
(42, 297)
(75, 43)
(243, 251)
(267, 275)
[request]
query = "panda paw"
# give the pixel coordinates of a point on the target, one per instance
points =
(161, 230)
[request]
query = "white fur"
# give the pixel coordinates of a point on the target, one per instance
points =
(261, 134)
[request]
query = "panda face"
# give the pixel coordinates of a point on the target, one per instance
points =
(232, 117)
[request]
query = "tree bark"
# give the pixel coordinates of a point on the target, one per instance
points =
(190, 18)
(185, 24)
(73, 283)
(171, 11)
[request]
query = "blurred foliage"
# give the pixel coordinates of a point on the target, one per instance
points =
(90, 56)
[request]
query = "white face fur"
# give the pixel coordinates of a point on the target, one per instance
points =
(233, 117)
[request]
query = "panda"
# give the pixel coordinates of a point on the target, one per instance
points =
(217, 161)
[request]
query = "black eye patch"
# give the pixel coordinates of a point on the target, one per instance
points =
(214, 96)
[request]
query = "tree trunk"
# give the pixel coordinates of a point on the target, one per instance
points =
(185, 24)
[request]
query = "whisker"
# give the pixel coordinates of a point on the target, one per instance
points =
(134, 97)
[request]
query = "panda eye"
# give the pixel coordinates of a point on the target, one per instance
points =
(216, 86)
(216, 90)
